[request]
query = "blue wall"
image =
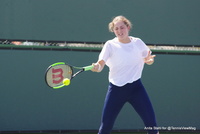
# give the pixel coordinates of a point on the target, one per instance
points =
(158, 21)
(27, 103)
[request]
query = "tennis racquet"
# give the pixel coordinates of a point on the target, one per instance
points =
(58, 72)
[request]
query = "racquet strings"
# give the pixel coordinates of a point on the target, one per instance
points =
(56, 74)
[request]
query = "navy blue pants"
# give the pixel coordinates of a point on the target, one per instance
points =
(116, 97)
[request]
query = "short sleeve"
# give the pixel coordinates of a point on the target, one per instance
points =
(105, 52)
(144, 48)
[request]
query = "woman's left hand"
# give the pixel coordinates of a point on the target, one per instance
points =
(149, 59)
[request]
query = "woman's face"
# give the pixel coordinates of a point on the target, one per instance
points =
(121, 30)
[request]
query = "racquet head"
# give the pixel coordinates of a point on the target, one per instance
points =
(55, 74)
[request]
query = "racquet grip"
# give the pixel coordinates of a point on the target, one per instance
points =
(87, 68)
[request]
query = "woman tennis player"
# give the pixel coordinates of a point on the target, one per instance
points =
(125, 56)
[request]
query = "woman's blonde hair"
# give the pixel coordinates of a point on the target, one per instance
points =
(119, 18)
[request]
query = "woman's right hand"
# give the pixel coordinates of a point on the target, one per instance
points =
(98, 66)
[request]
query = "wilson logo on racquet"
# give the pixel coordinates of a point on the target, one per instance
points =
(57, 75)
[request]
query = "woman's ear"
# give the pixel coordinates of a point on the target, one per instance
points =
(129, 28)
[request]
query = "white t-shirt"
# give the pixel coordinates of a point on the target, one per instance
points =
(125, 61)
